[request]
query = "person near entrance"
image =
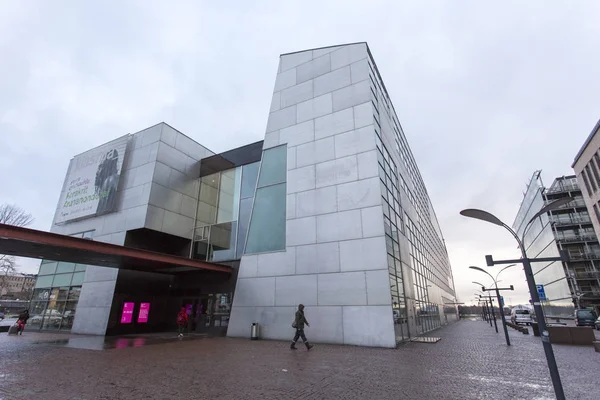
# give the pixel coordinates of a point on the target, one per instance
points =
(299, 322)
(22, 321)
(182, 321)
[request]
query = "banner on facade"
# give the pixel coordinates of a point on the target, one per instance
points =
(92, 182)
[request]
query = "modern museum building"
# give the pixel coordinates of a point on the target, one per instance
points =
(328, 210)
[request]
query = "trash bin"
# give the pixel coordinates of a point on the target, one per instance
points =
(535, 328)
(254, 331)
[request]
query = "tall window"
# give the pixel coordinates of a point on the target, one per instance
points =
(586, 182)
(594, 169)
(223, 213)
(267, 223)
(591, 178)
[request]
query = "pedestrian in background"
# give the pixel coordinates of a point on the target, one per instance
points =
(299, 322)
(23, 318)
(182, 321)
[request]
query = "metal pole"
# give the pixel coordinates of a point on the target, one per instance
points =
(539, 313)
(502, 314)
(493, 315)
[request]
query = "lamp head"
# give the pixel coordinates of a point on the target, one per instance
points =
(481, 215)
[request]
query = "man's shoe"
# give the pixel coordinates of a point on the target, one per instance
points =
(293, 346)
(309, 346)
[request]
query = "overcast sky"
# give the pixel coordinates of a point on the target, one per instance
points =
(486, 93)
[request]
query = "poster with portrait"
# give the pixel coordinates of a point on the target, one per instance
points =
(92, 182)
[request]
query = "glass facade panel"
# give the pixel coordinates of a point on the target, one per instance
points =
(64, 267)
(223, 213)
(267, 226)
(48, 268)
(229, 195)
(273, 168)
(62, 280)
(78, 278)
(244, 221)
(222, 241)
(44, 281)
(249, 177)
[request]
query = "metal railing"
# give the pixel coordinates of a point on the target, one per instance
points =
(572, 221)
(572, 204)
(587, 275)
(563, 188)
(584, 256)
(577, 238)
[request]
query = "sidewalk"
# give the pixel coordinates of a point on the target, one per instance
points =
(470, 362)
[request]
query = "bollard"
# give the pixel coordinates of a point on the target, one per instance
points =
(254, 331)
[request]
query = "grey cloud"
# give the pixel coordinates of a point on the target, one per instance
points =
(486, 93)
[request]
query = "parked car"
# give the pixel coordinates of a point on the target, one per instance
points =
(585, 317)
(597, 323)
(520, 316)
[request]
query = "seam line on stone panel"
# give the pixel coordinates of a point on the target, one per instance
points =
(366, 290)
(323, 162)
(317, 274)
(332, 70)
(275, 293)
(343, 330)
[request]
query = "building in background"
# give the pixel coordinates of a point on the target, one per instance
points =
(574, 233)
(330, 210)
(342, 221)
(16, 286)
(587, 170)
(569, 228)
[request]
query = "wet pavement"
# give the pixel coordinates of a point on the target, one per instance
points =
(470, 361)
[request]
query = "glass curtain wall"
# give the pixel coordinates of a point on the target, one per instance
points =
(540, 242)
(56, 293)
(267, 224)
(393, 225)
(224, 206)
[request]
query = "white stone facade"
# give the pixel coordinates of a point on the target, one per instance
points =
(587, 170)
(158, 190)
(335, 257)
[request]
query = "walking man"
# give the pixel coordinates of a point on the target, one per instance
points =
(299, 322)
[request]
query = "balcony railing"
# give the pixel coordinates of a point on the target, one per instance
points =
(584, 256)
(563, 188)
(572, 221)
(577, 238)
(587, 275)
(572, 204)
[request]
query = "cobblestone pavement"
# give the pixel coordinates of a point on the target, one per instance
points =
(470, 362)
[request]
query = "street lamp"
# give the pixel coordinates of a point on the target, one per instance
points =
(500, 305)
(539, 312)
(491, 313)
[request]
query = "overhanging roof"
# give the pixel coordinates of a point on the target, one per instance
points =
(24, 242)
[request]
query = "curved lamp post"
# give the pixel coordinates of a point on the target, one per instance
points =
(539, 312)
(490, 307)
(500, 305)
(486, 308)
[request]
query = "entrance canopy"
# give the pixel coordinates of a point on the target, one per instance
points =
(24, 242)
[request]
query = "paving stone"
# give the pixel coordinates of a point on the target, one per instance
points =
(470, 362)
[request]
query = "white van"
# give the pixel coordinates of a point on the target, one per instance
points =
(521, 315)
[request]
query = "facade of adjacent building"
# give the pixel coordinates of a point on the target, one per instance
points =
(17, 285)
(587, 170)
(571, 284)
(329, 211)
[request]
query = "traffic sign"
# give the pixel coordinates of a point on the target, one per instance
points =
(501, 301)
(541, 292)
